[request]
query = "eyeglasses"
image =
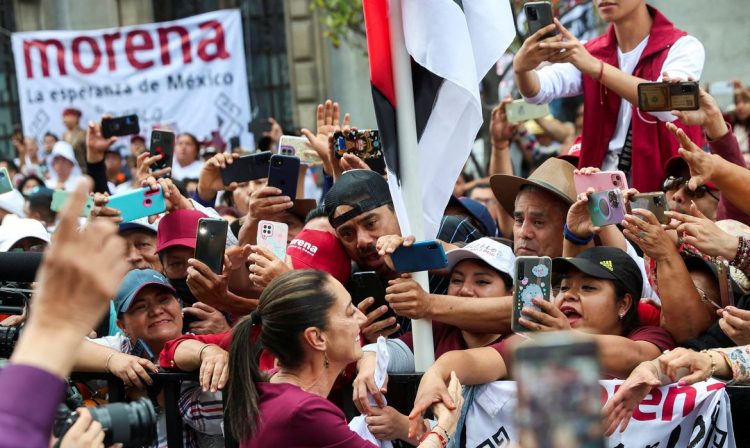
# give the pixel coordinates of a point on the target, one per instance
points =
(673, 183)
(706, 300)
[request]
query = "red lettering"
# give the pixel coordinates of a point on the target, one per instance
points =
(77, 42)
(672, 393)
(109, 40)
(604, 395)
(184, 42)
(41, 46)
(715, 386)
(131, 47)
(653, 401)
(217, 41)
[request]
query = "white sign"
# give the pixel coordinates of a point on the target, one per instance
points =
(185, 75)
(670, 417)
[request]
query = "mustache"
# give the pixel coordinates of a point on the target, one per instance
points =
(367, 250)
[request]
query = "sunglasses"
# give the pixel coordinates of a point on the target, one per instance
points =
(673, 183)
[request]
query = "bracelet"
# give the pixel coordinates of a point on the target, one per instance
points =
(578, 241)
(713, 363)
(106, 365)
(442, 440)
(200, 353)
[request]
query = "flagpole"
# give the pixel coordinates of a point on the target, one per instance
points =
(411, 180)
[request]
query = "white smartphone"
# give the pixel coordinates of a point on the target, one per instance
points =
(273, 236)
(290, 145)
(519, 111)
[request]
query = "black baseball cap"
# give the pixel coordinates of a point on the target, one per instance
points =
(363, 190)
(603, 262)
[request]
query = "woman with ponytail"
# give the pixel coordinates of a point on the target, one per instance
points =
(308, 322)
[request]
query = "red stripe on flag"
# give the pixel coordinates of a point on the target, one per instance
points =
(379, 47)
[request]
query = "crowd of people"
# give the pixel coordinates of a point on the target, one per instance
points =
(281, 349)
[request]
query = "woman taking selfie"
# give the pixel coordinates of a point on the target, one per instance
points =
(309, 323)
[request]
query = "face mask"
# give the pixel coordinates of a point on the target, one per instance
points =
(182, 291)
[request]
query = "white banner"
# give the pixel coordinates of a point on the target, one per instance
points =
(670, 417)
(185, 75)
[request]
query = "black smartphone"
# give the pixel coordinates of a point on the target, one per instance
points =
(162, 143)
(210, 242)
(539, 15)
(420, 256)
(367, 284)
(559, 398)
(120, 126)
(247, 168)
(533, 279)
(665, 96)
(259, 126)
(234, 142)
(283, 173)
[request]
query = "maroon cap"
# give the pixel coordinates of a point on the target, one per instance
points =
(317, 249)
(72, 111)
(676, 164)
(138, 138)
(574, 153)
(178, 228)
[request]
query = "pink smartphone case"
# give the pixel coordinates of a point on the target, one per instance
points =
(605, 180)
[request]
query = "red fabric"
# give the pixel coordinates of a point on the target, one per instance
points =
(290, 417)
(653, 334)
(166, 357)
(728, 149)
(648, 314)
(379, 47)
(653, 144)
(444, 337)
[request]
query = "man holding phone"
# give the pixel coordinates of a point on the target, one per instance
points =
(639, 46)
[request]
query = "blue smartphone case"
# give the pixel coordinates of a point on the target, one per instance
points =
(6, 184)
(283, 173)
(138, 203)
(420, 256)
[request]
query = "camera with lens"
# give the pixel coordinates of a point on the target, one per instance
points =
(613, 201)
(132, 424)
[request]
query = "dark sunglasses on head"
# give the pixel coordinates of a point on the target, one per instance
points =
(673, 183)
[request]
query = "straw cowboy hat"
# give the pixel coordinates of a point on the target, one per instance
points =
(554, 176)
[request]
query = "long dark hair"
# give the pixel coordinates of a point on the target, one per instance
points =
(291, 303)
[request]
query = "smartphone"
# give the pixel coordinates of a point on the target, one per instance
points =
(141, 350)
(519, 111)
(290, 145)
(606, 208)
(533, 278)
(539, 15)
(138, 203)
(367, 284)
(234, 142)
(60, 197)
(283, 173)
(247, 168)
(364, 143)
(273, 236)
(6, 183)
(655, 202)
(604, 180)
(559, 398)
(664, 96)
(259, 126)
(210, 242)
(162, 143)
(723, 93)
(420, 256)
(120, 126)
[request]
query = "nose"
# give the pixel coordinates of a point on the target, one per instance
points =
(364, 239)
(360, 317)
(466, 290)
(134, 256)
(679, 195)
(526, 230)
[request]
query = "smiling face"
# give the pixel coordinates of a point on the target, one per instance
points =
(591, 303)
(475, 278)
(616, 10)
(154, 316)
(344, 319)
(360, 234)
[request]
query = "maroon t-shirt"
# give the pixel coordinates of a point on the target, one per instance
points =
(445, 338)
(289, 416)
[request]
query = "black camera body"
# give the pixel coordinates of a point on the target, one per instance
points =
(132, 424)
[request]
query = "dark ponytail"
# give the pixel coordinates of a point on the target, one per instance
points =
(291, 303)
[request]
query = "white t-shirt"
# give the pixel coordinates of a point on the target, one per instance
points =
(684, 59)
(192, 171)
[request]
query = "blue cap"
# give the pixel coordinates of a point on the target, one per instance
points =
(138, 224)
(479, 212)
(133, 283)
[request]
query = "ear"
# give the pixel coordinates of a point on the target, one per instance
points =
(315, 338)
(121, 326)
(625, 304)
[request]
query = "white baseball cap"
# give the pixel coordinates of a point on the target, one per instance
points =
(495, 254)
(14, 230)
(13, 202)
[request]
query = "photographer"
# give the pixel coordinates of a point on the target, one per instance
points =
(73, 294)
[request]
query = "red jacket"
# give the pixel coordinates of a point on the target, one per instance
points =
(653, 144)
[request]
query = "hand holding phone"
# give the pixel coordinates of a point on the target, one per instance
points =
(60, 197)
(273, 236)
(6, 183)
(655, 202)
(519, 111)
(363, 285)
(665, 96)
(247, 168)
(162, 143)
(420, 256)
(211, 242)
(603, 180)
(533, 278)
(120, 126)
(283, 173)
(364, 143)
(606, 208)
(539, 15)
(138, 203)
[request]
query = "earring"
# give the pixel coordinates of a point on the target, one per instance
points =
(325, 360)
(621, 316)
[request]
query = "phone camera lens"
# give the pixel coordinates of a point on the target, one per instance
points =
(157, 137)
(277, 162)
(604, 207)
(687, 89)
(531, 13)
